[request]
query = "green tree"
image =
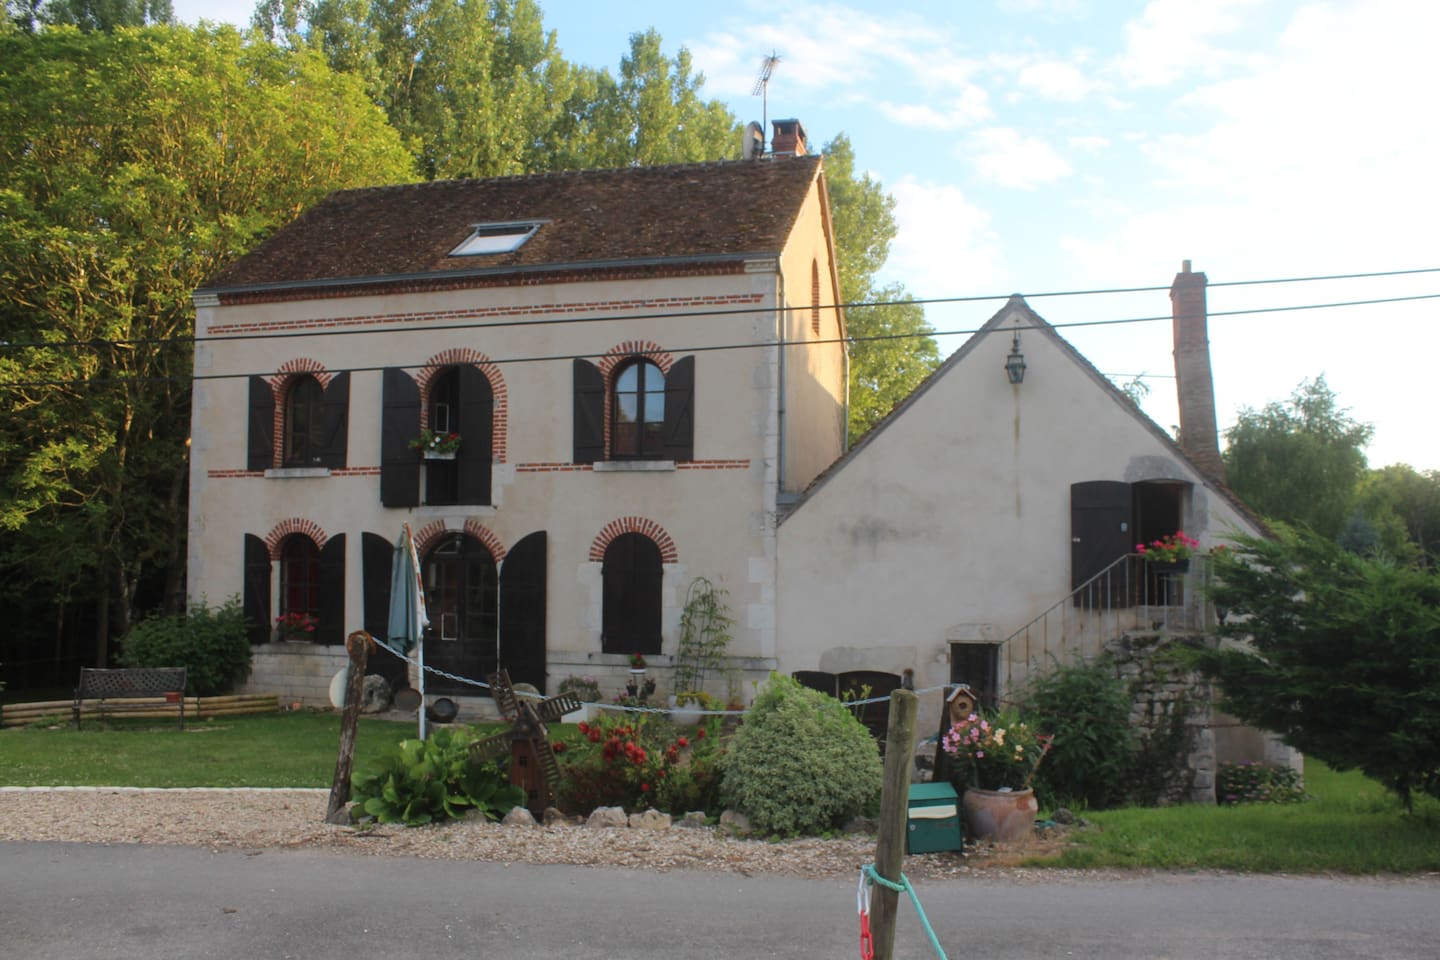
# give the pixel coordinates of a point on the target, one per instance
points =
(132, 166)
(892, 350)
(106, 15)
(1299, 461)
(1337, 653)
(1410, 500)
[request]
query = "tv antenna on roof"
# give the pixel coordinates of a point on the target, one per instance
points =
(762, 86)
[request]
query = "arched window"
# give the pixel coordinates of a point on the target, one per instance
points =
(631, 577)
(638, 411)
(299, 576)
(304, 405)
(815, 297)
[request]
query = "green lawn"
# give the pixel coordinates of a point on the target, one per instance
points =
(271, 750)
(1349, 826)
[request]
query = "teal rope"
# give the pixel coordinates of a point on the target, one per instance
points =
(904, 885)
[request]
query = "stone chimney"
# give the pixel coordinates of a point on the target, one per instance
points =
(788, 139)
(1199, 437)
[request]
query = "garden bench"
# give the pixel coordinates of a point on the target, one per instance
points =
(132, 690)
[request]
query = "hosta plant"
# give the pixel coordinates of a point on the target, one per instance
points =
(432, 779)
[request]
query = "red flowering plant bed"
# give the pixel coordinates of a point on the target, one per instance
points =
(637, 761)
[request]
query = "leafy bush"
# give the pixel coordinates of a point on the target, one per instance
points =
(800, 763)
(432, 779)
(639, 761)
(1252, 782)
(1087, 709)
(210, 644)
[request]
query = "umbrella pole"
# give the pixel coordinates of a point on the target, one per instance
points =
(420, 655)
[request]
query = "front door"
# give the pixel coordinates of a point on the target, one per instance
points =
(462, 598)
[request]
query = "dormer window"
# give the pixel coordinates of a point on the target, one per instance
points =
(488, 238)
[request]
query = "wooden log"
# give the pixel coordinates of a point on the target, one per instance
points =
(894, 812)
(358, 646)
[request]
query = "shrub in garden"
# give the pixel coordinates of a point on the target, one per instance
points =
(432, 779)
(637, 761)
(210, 644)
(1252, 782)
(800, 763)
(1087, 709)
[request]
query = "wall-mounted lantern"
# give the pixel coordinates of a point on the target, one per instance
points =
(1015, 362)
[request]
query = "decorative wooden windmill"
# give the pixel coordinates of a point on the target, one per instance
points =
(532, 760)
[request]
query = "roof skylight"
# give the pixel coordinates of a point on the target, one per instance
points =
(489, 238)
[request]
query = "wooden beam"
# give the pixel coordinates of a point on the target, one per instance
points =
(894, 812)
(358, 646)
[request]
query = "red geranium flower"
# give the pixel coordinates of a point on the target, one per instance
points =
(684, 742)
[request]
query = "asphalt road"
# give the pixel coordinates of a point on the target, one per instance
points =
(76, 901)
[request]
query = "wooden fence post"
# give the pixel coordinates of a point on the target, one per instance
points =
(894, 814)
(358, 646)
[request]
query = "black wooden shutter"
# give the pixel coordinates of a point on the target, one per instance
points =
(377, 555)
(522, 611)
(399, 425)
(630, 580)
(1100, 533)
(331, 629)
(257, 589)
(476, 421)
(335, 421)
(817, 680)
(589, 412)
(260, 454)
(679, 430)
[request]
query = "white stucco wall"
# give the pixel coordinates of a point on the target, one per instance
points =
(952, 521)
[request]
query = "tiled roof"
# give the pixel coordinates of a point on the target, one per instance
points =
(700, 210)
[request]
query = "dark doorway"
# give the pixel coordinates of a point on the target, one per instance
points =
(461, 592)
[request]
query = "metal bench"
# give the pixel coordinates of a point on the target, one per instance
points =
(132, 690)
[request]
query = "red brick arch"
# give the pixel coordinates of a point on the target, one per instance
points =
(500, 415)
(432, 533)
(280, 384)
(621, 352)
(285, 528)
(649, 528)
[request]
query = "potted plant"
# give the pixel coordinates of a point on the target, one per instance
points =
(637, 664)
(993, 762)
(296, 627)
(1174, 549)
(436, 446)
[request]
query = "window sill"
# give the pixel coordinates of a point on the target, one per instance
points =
(285, 473)
(634, 466)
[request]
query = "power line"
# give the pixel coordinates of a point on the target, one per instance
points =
(742, 346)
(99, 343)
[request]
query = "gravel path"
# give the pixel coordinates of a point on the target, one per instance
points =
(257, 819)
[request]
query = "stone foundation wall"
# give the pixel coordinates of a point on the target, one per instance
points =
(1162, 689)
(298, 672)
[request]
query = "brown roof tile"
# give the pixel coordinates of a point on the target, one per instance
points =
(636, 213)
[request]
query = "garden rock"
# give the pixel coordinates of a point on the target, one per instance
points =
(519, 817)
(736, 823)
(693, 820)
(554, 818)
(607, 817)
(1063, 816)
(651, 819)
(375, 696)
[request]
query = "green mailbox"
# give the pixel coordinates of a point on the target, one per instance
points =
(933, 824)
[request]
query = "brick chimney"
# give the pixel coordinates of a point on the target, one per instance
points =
(1199, 437)
(788, 140)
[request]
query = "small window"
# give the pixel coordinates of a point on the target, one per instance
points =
(489, 238)
(638, 412)
(299, 576)
(303, 427)
(815, 298)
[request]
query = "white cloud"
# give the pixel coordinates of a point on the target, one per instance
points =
(1174, 37)
(1007, 158)
(1054, 81)
(1089, 144)
(944, 246)
(971, 107)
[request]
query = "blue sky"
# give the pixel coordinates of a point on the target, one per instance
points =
(1036, 146)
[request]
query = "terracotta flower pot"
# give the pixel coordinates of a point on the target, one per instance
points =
(1002, 816)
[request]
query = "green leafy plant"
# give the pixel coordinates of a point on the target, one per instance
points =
(210, 644)
(430, 441)
(800, 763)
(585, 689)
(704, 635)
(991, 752)
(1252, 782)
(1170, 548)
(432, 779)
(1087, 708)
